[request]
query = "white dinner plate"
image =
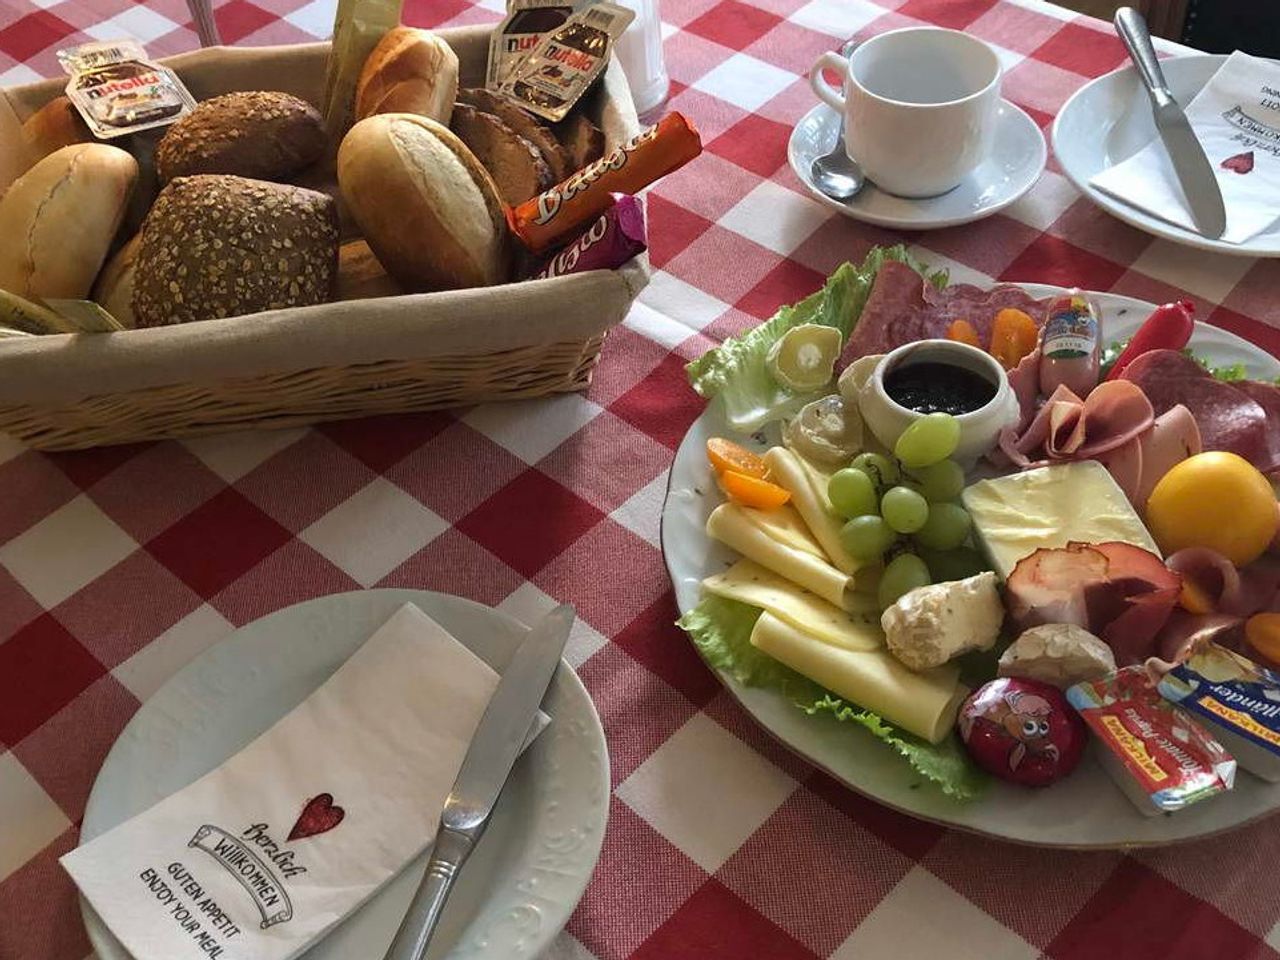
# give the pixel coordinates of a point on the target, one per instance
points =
(528, 871)
(1109, 120)
(1087, 809)
(1011, 169)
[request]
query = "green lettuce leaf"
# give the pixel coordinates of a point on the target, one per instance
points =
(735, 371)
(721, 630)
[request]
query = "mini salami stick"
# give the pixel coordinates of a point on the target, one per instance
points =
(615, 237)
(551, 218)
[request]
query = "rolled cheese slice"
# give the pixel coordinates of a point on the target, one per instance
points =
(748, 582)
(808, 487)
(924, 703)
(754, 535)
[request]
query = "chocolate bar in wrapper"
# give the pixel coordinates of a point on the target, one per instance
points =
(615, 237)
(551, 218)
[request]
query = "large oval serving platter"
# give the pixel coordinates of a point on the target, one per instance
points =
(1086, 810)
(533, 862)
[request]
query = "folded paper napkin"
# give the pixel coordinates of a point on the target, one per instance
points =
(259, 857)
(1236, 117)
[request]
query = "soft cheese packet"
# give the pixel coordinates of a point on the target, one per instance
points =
(261, 856)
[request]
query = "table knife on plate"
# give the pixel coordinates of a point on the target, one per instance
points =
(501, 733)
(1195, 175)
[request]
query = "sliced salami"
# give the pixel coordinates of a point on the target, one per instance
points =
(1267, 396)
(1228, 417)
(903, 307)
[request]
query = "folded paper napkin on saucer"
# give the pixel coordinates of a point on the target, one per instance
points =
(259, 857)
(1236, 118)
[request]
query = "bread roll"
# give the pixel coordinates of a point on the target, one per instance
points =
(114, 288)
(261, 135)
(58, 219)
(553, 152)
(222, 246)
(425, 204)
(361, 276)
(55, 125)
(514, 163)
(582, 139)
(409, 71)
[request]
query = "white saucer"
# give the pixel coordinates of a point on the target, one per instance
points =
(1109, 120)
(1016, 161)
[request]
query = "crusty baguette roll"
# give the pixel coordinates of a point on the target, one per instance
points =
(55, 125)
(113, 290)
(409, 71)
(515, 164)
(427, 207)
(553, 152)
(222, 246)
(58, 219)
(257, 134)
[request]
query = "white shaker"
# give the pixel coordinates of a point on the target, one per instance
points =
(639, 49)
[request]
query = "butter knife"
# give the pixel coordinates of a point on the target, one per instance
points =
(1195, 175)
(497, 742)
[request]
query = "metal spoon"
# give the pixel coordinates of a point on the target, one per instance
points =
(835, 174)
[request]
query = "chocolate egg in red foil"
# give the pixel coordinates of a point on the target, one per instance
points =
(1023, 731)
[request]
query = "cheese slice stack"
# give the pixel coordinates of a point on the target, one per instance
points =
(808, 488)
(779, 541)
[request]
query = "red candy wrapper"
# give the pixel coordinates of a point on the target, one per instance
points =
(1023, 731)
(616, 236)
(549, 219)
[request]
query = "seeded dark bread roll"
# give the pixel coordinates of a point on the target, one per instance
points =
(553, 152)
(429, 210)
(258, 134)
(514, 163)
(222, 246)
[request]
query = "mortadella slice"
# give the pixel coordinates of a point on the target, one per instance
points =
(1173, 437)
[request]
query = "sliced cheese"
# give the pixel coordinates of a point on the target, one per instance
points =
(735, 527)
(786, 527)
(924, 703)
(808, 487)
(750, 583)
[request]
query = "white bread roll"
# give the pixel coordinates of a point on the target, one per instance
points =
(58, 219)
(429, 210)
(409, 71)
(114, 288)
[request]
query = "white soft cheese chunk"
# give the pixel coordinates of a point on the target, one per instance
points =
(1049, 507)
(1058, 653)
(929, 625)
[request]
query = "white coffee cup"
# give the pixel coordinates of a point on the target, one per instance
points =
(919, 106)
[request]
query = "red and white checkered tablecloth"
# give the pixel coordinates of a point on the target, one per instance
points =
(117, 566)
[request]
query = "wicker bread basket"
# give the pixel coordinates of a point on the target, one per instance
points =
(328, 362)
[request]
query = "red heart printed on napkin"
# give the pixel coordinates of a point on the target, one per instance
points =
(318, 816)
(1240, 163)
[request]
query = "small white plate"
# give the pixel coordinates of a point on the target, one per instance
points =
(1084, 811)
(1109, 120)
(1016, 161)
(529, 870)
